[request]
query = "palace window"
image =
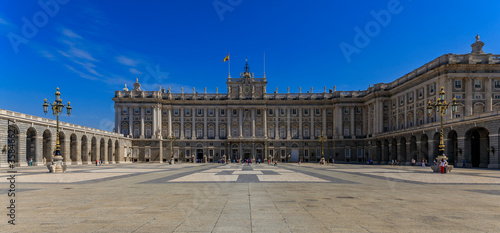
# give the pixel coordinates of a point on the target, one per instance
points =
(176, 132)
(235, 133)
(294, 112)
(258, 112)
(282, 112)
(431, 89)
(347, 153)
(329, 112)
(136, 131)
(306, 132)
(294, 132)
(306, 112)
(211, 132)
(271, 112)
(478, 96)
(247, 132)
(318, 112)
(477, 83)
(358, 110)
(176, 112)
(148, 132)
(188, 133)
(497, 83)
(188, 112)
(318, 132)
(346, 110)
(199, 112)
(235, 112)
(282, 132)
(271, 132)
(306, 153)
(199, 133)
(346, 131)
(420, 93)
(165, 111)
(259, 132)
(410, 96)
(458, 96)
(125, 110)
(136, 110)
(210, 112)
(458, 84)
(148, 110)
(358, 130)
(222, 132)
(222, 112)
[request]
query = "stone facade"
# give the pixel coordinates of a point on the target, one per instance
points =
(34, 138)
(387, 121)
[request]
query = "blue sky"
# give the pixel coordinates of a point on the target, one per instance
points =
(92, 48)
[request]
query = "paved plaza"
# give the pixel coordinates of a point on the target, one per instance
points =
(252, 198)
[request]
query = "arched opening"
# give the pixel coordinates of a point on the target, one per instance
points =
(93, 150)
(424, 147)
(394, 149)
(47, 147)
(73, 148)
(402, 150)
(378, 152)
(452, 148)
(102, 148)
(31, 144)
(476, 147)
(85, 150)
(111, 154)
(413, 148)
(435, 145)
(117, 151)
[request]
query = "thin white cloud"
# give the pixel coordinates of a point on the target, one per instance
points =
(127, 61)
(134, 71)
(81, 74)
(70, 33)
(81, 54)
(4, 22)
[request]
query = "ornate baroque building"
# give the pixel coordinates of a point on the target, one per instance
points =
(387, 121)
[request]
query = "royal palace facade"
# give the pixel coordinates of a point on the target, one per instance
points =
(385, 122)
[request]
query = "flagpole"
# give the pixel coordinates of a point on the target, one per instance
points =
(229, 65)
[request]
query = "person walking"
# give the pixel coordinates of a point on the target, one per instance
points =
(96, 163)
(443, 165)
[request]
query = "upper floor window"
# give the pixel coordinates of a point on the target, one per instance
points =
(294, 112)
(136, 110)
(258, 112)
(222, 112)
(199, 112)
(235, 112)
(477, 83)
(346, 110)
(188, 112)
(282, 112)
(271, 112)
(358, 110)
(306, 112)
(318, 111)
(458, 84)
(164, 111)
(420, 93)
(125, 109)
(401, 100)
(497, 83)
(410, 96)
(431, 89)
(148, 110)
(211, 112)
(176, 112)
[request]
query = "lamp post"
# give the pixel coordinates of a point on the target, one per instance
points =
(322, 139)
(57, 108)
(441, 107)
(171, 137)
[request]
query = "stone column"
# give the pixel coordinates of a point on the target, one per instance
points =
(487, 96)
(142, 122)
(205, 133)
(229, 133)
(494, 160)
(311, 114)
(159, 125)
(324, 120)
(217, 124)
(241, 122)
(353, 132)
(264, 111)
(169, 112)
(118, 119)
(449, 99)
(468, 97)
(193, 127)
(105, 160)
(300, 123)
(288, 136)
(66, 149)
(182, 124)
(253, 122)
(155, 121)
(130, 121)
(277, 126)
(38, 149)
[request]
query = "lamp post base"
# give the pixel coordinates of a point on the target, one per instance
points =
(57, 165)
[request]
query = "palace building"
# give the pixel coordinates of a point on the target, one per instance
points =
(385, 122)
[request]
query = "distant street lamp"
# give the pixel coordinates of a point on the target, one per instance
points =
(171, 137)
(57, 108)
(441, 107)
(322, 139)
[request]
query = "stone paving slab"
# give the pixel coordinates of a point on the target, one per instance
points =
(175, 198)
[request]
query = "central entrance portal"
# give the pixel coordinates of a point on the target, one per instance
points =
(199, 154)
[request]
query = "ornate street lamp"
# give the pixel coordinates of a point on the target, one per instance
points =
(171, 137)
(57, 108)
(322, 139)
(441, 107)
